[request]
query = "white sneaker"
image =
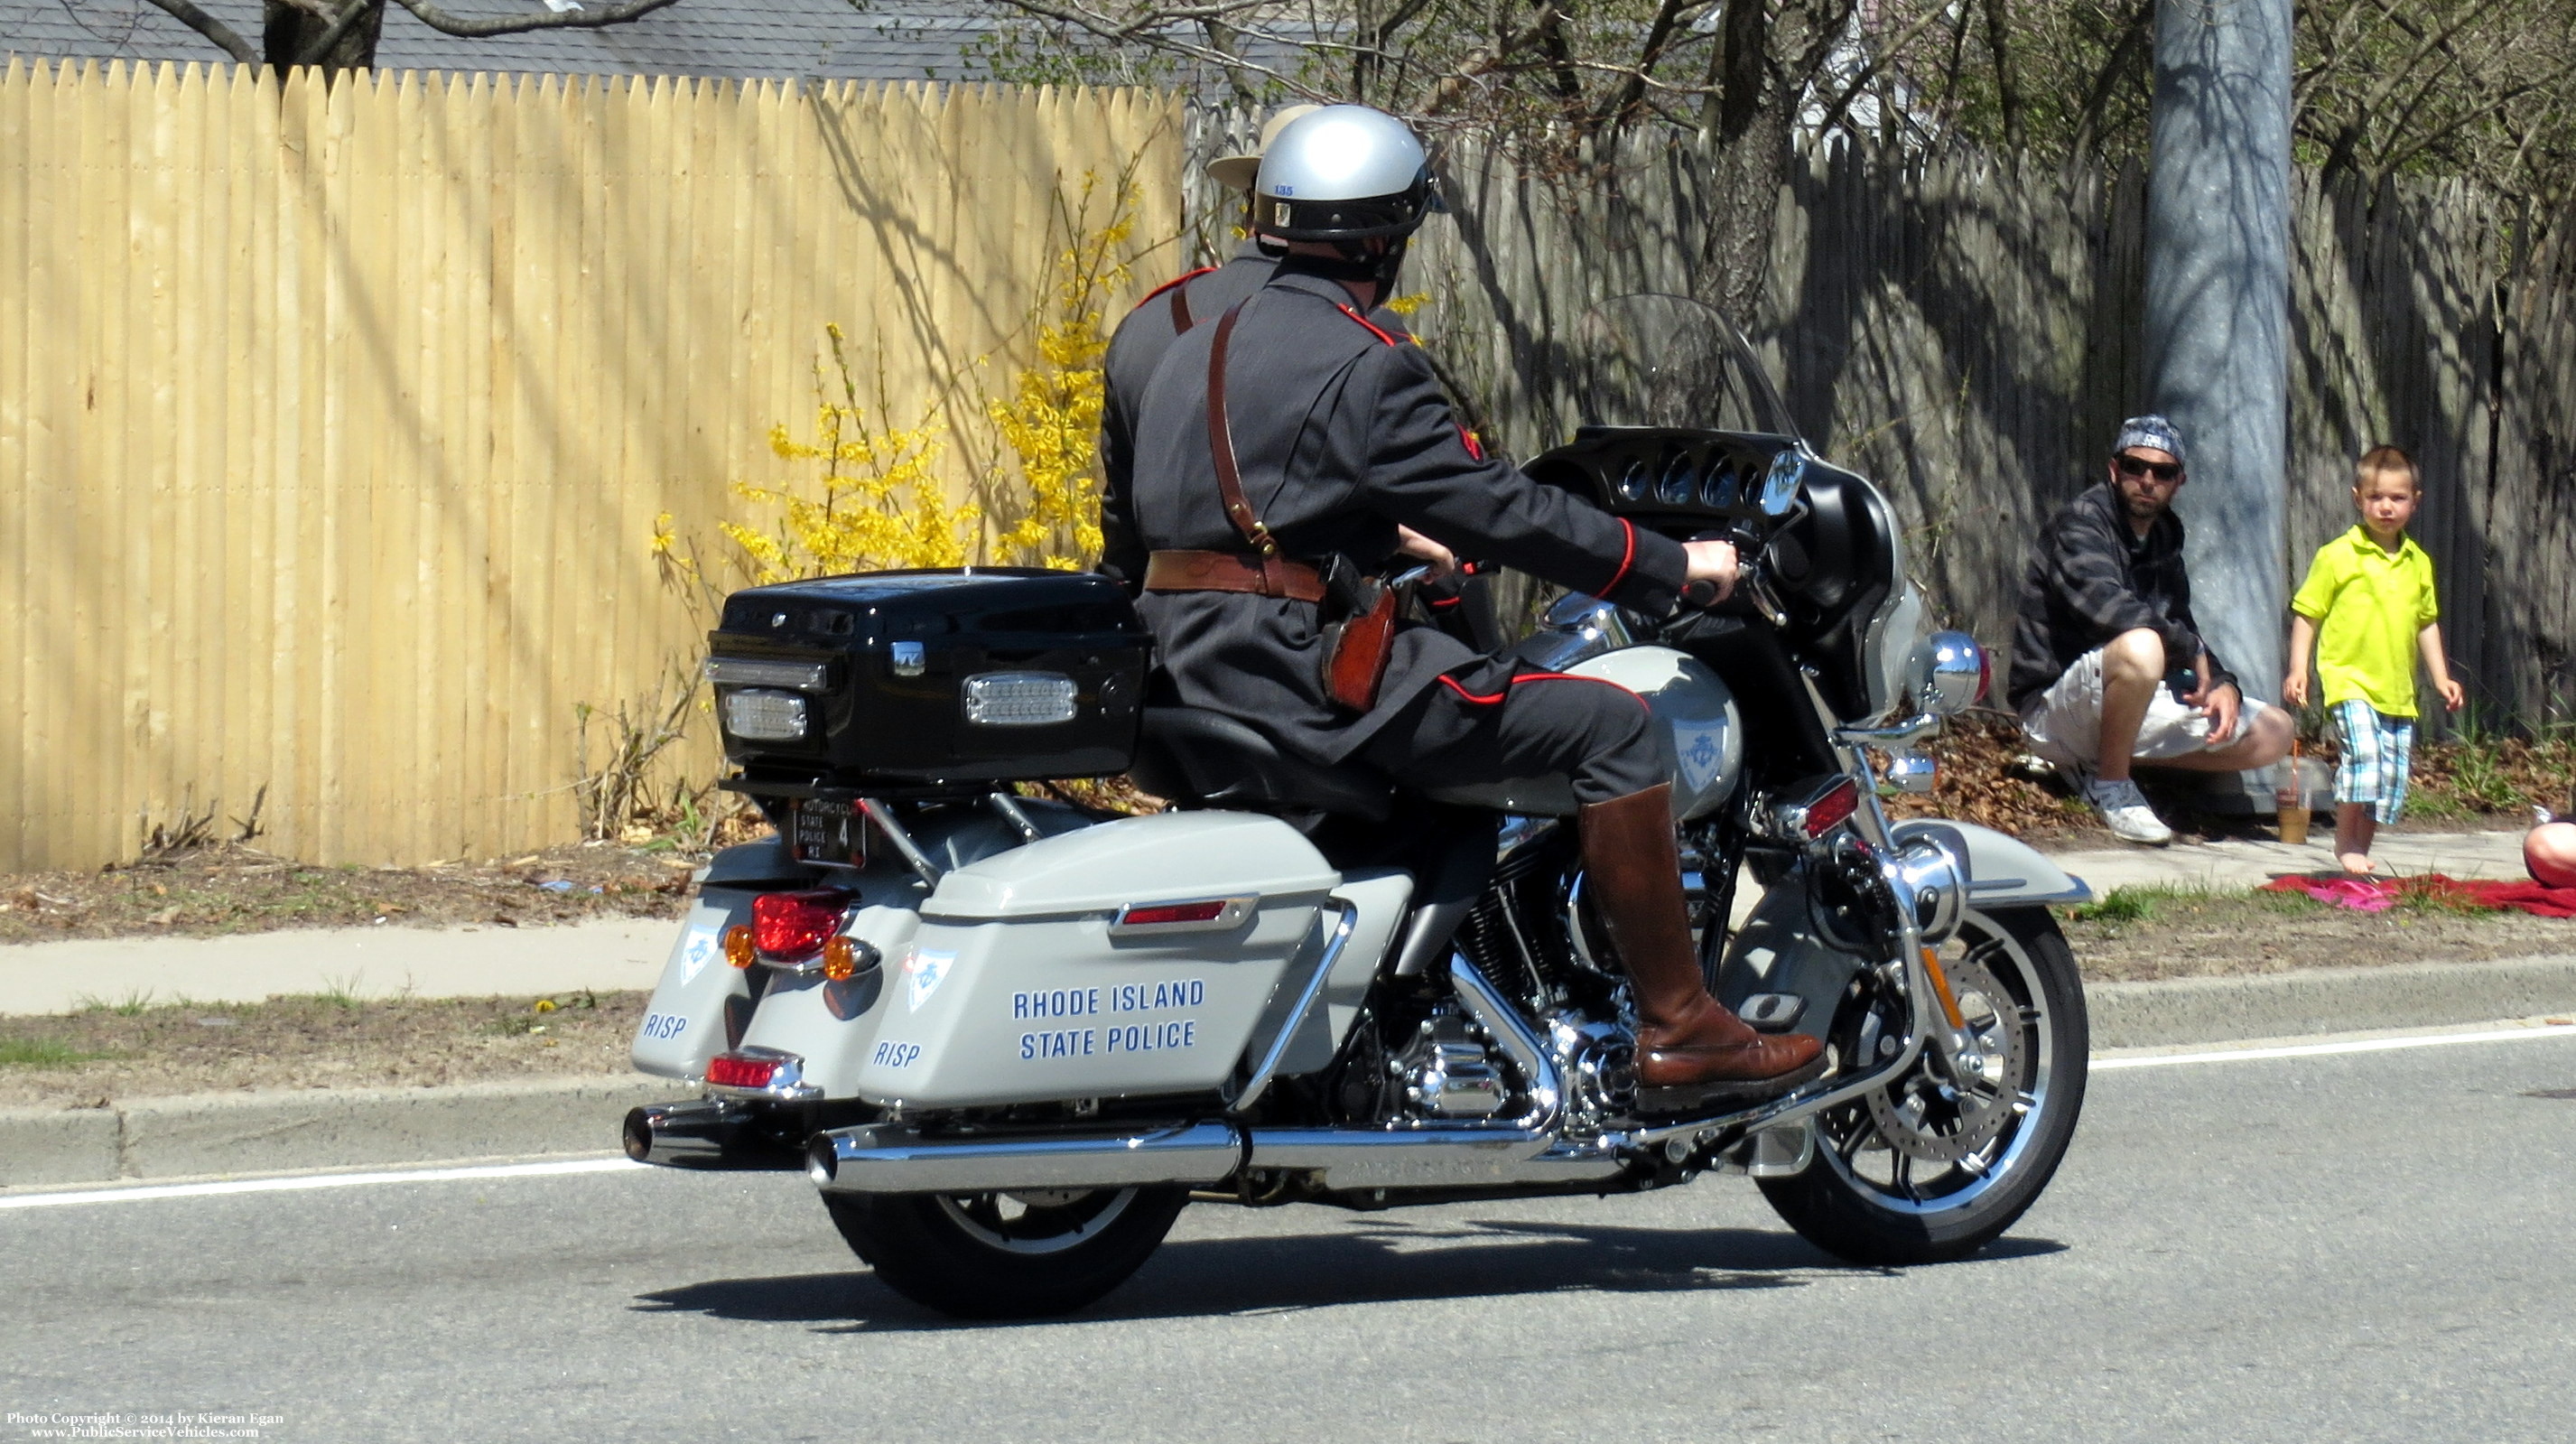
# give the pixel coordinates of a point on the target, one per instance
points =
(2124, 810)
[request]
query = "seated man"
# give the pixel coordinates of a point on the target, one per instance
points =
(2108, 665)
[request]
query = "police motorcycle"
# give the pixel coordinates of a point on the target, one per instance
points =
(1010, 1039)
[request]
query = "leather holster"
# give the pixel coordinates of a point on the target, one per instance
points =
(1359, 633)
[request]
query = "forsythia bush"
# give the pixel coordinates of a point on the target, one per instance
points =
(1051, 421)
(881, 505)
(877, 501)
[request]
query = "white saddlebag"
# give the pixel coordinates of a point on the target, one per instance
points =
(1024, 986)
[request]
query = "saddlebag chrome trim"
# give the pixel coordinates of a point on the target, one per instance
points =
(1277, 1050)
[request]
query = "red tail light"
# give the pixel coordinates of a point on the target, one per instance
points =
(1193, 912)
(790, 926)
(1831, 810)
(726, 1070)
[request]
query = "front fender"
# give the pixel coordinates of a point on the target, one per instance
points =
(2002, 870)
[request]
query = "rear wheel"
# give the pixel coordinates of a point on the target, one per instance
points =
(1006, 1255)
(1931, 1167)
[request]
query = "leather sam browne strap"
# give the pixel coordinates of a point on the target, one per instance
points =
(1192, 571)
(1229, 481)
(1357, 646)
(1181, 320)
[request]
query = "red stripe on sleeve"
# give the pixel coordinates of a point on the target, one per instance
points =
(1626, 559)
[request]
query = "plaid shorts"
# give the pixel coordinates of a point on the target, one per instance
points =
(2377, 750)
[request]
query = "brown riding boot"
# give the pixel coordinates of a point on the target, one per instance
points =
(1688, 1045)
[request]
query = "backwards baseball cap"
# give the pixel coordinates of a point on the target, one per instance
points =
(1236, 172)
(2150, 431)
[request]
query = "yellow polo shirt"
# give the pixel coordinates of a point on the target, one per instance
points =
(2369, 604)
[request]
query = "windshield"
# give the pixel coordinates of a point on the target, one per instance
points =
(1661, 360)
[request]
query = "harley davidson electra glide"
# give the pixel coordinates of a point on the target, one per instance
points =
(1011, 1039)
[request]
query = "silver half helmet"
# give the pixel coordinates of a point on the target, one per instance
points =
(1344, 172)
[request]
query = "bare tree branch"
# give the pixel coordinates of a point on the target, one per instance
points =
(1622, 106)
(2007, 92)
(186, 13)
(446, 24)
(1142, 32)
(340, 23)
(1833, 115)
(2097, 100)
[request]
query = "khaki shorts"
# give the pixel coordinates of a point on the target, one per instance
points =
(2064, 723)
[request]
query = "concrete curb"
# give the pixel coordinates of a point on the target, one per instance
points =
(263, 1133)
(259, 1133)
(2327, 1000)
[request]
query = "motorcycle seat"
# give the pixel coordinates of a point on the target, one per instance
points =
(1193, 754)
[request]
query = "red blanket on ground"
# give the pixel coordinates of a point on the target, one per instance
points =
(2378, 894)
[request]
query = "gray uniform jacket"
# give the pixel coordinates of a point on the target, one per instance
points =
(1341, 431)
(1134, 350)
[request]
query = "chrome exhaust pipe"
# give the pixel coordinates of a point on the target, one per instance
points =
(889, 1158)
(700, 1133)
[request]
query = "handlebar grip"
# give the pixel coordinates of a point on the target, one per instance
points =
(1699, 593)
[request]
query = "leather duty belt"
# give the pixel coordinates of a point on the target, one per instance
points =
(1193, 571)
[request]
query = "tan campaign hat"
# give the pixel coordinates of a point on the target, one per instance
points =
(1237, 172)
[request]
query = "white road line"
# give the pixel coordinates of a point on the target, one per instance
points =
(2319, 1050)
(321, 1180)
(621, 1165)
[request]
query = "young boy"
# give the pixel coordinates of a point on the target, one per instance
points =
(2368, 605)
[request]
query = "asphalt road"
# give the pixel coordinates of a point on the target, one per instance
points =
(2359, 1246)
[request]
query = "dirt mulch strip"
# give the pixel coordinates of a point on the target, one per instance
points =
(2139, 935)
(99, 1056)
(243, 890)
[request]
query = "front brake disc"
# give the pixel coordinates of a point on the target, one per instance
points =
(1932, 1119)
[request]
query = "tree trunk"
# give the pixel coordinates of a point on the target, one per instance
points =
(289, 32)
(1744, 210)
(1747, 140)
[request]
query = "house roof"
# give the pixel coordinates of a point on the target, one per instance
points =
(781, 39)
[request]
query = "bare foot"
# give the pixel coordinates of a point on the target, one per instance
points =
(2357, 863)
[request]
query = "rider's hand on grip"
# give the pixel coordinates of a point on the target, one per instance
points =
(1710, 577)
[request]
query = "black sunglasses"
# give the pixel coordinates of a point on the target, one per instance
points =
(2135, 466)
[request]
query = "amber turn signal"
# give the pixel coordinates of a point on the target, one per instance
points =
(738, 950)
(840, 960)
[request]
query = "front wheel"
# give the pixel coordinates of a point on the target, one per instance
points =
(1006, 1255)
(1932, 1168)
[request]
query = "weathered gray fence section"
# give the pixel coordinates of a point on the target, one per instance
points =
(2530, 501)
(1965, 331)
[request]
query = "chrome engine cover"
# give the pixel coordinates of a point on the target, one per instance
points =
(1449, 1072)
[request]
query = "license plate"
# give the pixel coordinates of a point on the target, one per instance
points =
(824, 829)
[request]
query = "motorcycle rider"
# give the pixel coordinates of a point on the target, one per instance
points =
(1138, 344)
(1328, 444)
(1462, 602)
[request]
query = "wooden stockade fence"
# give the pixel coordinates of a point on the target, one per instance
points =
(1965, 331)
(334, 422)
